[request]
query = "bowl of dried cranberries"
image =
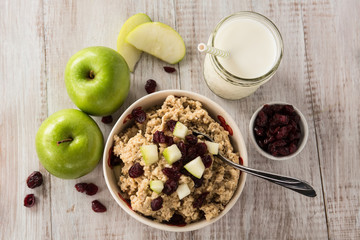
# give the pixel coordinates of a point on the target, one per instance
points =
(278, 130)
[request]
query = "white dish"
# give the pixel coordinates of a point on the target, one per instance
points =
(158, 98)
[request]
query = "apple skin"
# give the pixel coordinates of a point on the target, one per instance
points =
(75, 158)
(97, 80)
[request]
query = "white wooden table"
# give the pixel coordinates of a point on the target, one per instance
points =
(319, 74)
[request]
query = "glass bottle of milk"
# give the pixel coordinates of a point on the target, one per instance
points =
(255, 46)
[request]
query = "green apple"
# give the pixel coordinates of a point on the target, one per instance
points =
(157, 186)
(159, 40)
(183, 190)
(180, 130)
(129, 52)
(195, 167)
(212, 147)
(69, 144)
(149, 153)
(97, 80)
(172, 154)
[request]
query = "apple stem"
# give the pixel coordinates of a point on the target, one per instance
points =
(91, 74)
(65, 140)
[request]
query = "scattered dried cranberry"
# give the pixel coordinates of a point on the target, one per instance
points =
(107, 119)
(170, 186)
(177, 219)
(34, 180)
(169, 140)
(150, 86)
(29, 200)
(159, 137)
(201, 148)
(114, 160)
(81, 187)
(136, 170)
(191, 153)
(91, 189)
(197, 182)
(139, 115)
(177, 165)
(97, 206)
(277, 129)
(191, 139)
(171, 125)
(206, 160)
(172, 173)
(182, 147)
(169, 69)
(156, 203)
(200, 200)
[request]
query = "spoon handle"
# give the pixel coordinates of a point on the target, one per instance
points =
(294, 184)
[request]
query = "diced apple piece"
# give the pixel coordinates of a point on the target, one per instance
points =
(180, 130)
(212, 147)
(128, 51)
(149, 153)
(195, 167)
(159, 40)
(172, 154)
(157, 186)
(183, 190)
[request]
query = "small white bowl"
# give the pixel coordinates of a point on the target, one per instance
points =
(158, 98)
(304, 133)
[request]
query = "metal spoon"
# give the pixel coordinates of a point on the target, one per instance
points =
(294, 184)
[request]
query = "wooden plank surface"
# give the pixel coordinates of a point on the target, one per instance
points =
(319, 74)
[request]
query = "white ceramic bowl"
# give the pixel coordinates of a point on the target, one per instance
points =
(158, 98)
(304, 133)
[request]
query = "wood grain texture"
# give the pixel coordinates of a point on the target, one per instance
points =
(319, 74)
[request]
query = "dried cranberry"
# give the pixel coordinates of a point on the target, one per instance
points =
(288, 109)
(159, 137)
(136, 170)
(261, 119)
(171, 125)
(172, 173)
(206, 160)
(29, 200)
(200, 200)
(185, 172)
(284, 151)
(201, 148)
(114, 160)
(177, 219)
(279, 120)
(107, 119)
(170, 186)
(91, 189)
(191, 139)
(150, 86)
(197, 182)
(269, 140)
(191, 153)
(283, 132)
(97, 206)
(81, 187)
(229, 129)
(272, 131)
(156, 203)
(169, 69)
(177, 165)
(34, 180)
(259, 131)
(279, 143)
(169, 140)
(267, 109)
(294, 136)
(221, 119)
(261, 143)
(139, 115)
(292, 148)
(276, 108)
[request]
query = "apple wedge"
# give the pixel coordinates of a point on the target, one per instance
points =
(157, 186)
(183, 190)
(149, 153)
(172, 154)
(212, 147)
(180, 130)
(159, 40)
(129, 52)
(195, 167)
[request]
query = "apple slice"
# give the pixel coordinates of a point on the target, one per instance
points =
(128, 51)
(195, 167)
(157, 186)
(183, 190)
(180, 130)
(159, 40)
(172, 154)
(212, 147)
(149, 153)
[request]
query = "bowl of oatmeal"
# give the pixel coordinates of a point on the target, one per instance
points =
(165, 176)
